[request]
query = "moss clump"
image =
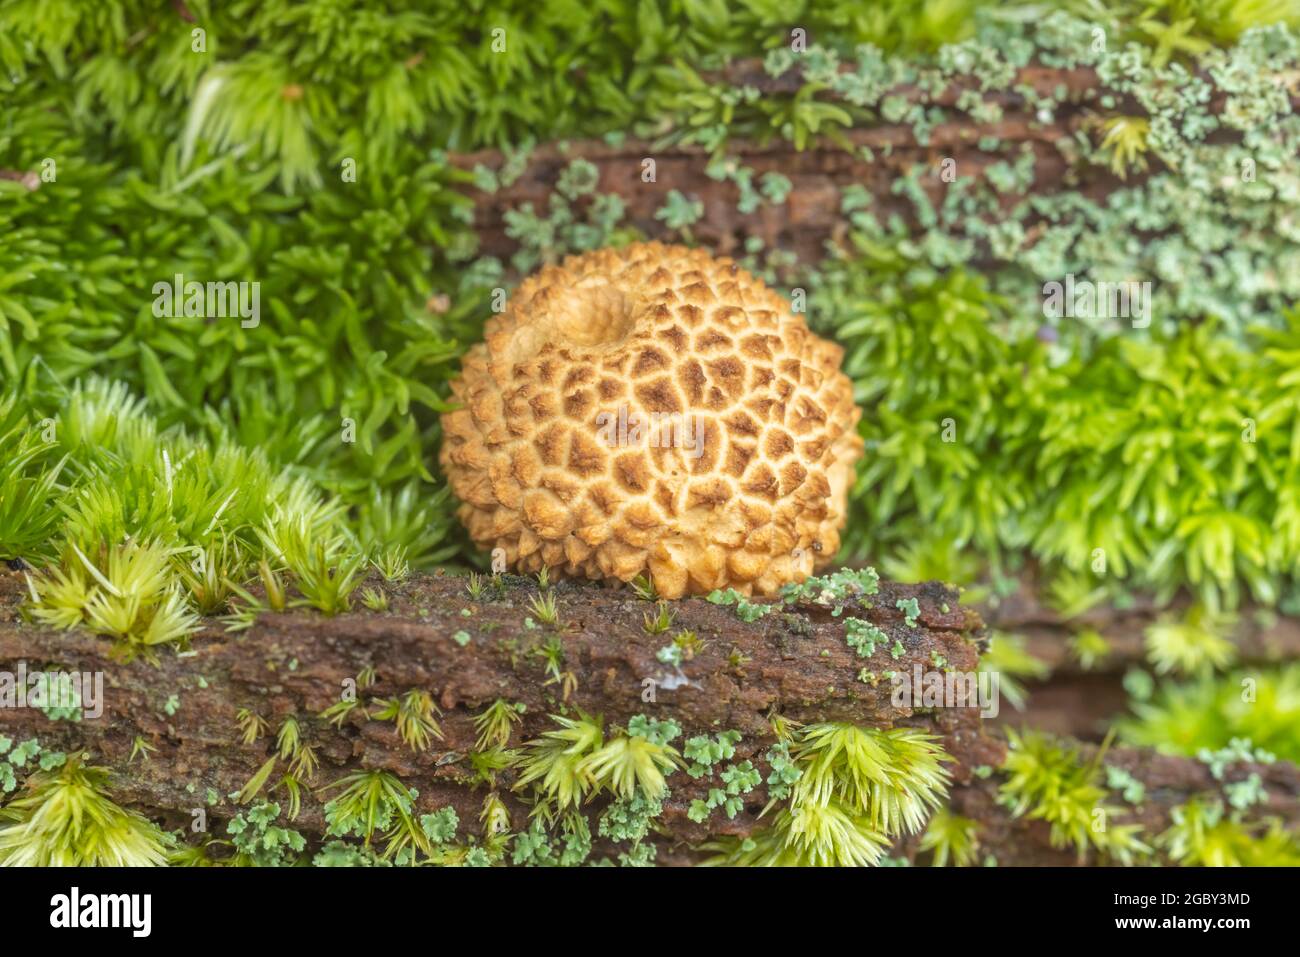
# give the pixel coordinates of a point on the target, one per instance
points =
(1261, 706)
(1203, 835)
(951, 838)
(65, 818)
(1047, 780)
(848, 792)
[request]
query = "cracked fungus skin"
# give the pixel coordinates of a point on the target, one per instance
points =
(739, 472)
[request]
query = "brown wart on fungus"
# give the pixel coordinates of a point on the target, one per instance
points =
(653, 410)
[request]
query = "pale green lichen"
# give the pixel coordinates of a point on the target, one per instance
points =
(863, 636)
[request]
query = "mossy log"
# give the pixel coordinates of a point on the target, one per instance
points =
(1168, 782)
(1261, 635)
(794, 662)
(811, 213)
(1081, 702)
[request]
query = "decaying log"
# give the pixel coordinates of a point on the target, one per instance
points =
(1168, 781)
(811, 214)
(1081, 702)
(794, 662)
(1261, 635)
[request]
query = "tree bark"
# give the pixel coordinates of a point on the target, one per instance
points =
(794, 662)
(1169, 781)
(811, 214)
(1261, 635)
(1080, 702)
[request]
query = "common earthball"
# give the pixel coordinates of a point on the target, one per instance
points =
(653, 410)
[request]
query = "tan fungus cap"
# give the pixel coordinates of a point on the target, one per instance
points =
(653, 410)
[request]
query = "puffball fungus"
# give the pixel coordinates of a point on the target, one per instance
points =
(653, 410)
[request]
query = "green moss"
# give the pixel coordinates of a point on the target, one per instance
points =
(855, 789)
(1258, 706)
(415, 716)
(1201, 834)
(233, 470)
(1195, 645)
(375, 802)
(536, 846)
(785, 772)
(65, 818)
(735, 780)
(635, 762)
(836, 590)
(1008, 657)
(951, 838)
(1047, 780)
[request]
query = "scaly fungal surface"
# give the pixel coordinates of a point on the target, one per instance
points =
(654, 410)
